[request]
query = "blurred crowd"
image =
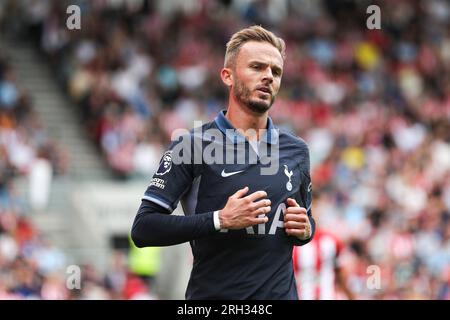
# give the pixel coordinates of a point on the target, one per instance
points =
(29, 263)
(31, 266)
(23, 139)
(373, 106)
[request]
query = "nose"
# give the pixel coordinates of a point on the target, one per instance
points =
(268, 75)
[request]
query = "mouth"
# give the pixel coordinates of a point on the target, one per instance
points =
(265, 90)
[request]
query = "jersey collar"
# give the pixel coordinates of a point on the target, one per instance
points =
(270, 136)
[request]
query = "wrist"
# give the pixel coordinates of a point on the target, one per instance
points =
(308, 233)
(218, 224)
(221, 220)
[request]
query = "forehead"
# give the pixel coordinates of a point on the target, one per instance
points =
(261, 52)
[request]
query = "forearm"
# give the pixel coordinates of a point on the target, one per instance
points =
(153, 226)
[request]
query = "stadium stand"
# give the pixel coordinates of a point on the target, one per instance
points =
(373, 105)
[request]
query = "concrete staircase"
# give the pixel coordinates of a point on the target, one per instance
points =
(57, 113)
(62, 221)
(61, 121)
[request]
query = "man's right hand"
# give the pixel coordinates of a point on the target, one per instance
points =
(241, 212)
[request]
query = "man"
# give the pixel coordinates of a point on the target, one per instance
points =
(242, 221)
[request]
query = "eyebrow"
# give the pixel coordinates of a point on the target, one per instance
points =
(275, 67)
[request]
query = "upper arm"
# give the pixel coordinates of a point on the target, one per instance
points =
(174, 176)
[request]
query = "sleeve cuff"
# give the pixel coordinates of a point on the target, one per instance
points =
(159, 201)
(216, 220)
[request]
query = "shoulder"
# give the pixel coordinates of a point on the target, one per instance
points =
(290, 138)
(196, 134)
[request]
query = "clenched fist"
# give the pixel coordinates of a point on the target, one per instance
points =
(296, 221)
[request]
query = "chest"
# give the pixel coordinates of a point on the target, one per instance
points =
(279, 174)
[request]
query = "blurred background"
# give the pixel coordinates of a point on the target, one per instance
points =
(85, 116)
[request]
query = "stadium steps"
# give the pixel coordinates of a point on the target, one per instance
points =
(57, 113)
(60, 222)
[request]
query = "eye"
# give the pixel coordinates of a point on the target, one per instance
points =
(276, 72)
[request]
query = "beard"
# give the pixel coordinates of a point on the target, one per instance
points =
(243, 95)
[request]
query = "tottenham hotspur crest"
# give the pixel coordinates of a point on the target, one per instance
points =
(166, 164)
(289, 175)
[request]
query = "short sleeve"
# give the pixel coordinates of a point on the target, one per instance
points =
(173, 178)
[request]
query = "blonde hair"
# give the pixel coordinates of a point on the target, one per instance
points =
(253, 33)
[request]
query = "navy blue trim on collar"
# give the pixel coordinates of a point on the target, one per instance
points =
(270, 136)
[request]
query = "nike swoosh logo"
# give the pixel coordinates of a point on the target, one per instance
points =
(227, 174)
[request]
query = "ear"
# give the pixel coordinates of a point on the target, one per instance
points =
(227, 76)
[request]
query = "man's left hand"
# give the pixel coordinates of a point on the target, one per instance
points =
(296, 221)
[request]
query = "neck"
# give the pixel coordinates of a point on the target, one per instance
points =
(243, 119)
